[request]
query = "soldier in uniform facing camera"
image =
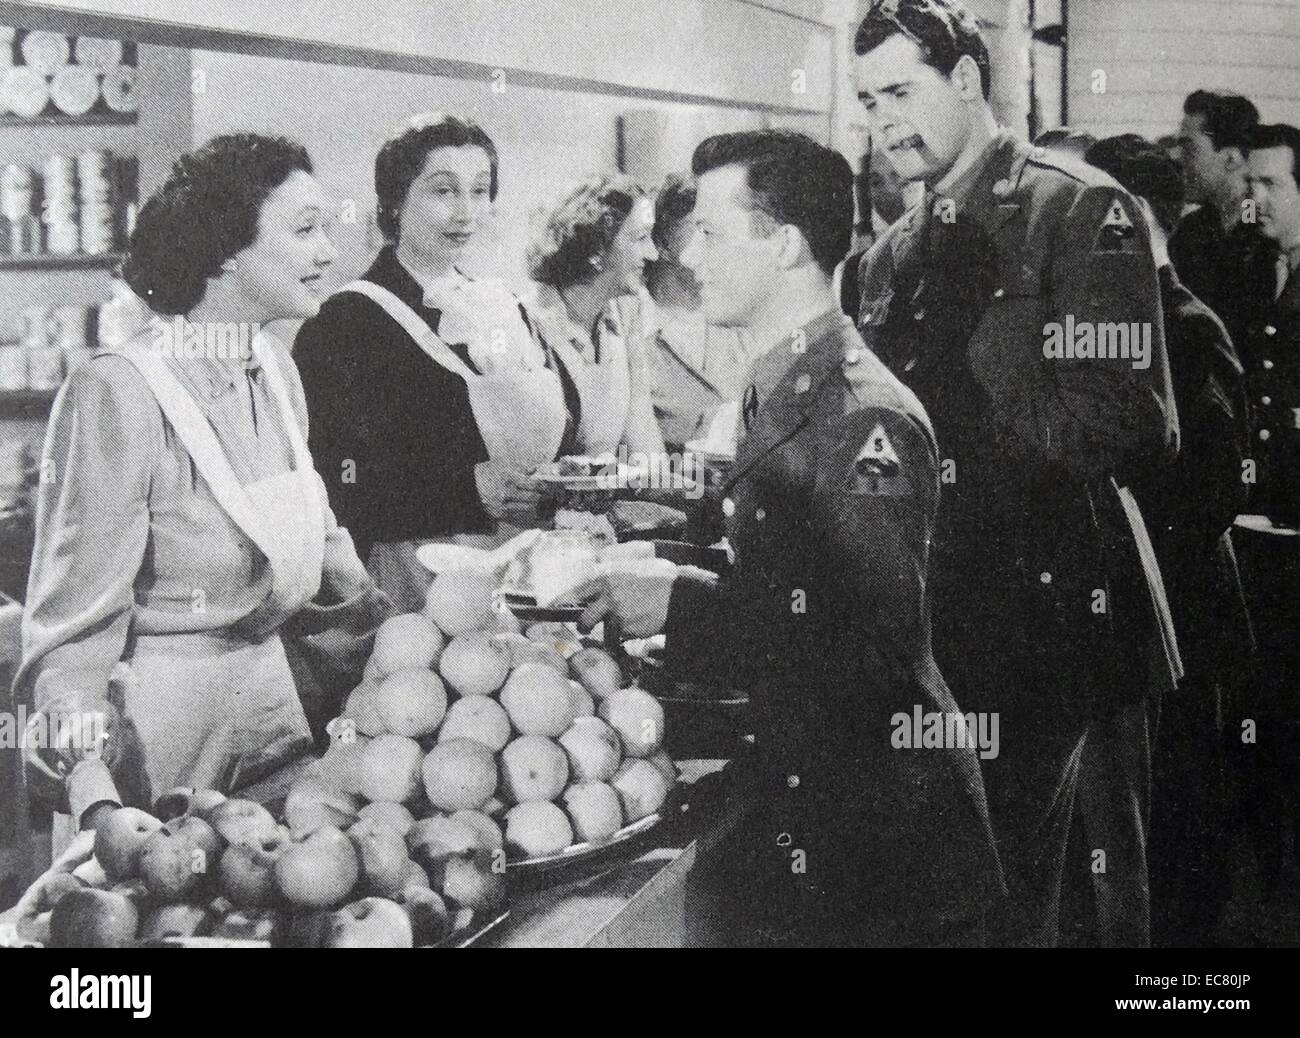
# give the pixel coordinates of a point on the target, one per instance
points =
(1019, 301)
(858, 834)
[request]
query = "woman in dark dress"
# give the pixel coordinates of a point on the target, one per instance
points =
(431, 399)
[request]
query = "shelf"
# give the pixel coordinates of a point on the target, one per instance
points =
(104, 260)
(26, 401)
(59, 119)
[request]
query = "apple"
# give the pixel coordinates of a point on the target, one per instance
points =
(382, 856)
(598, 671)
(583, 703)
(93, 919)
(311, 804)
(427, 911)
(641, 787)
(173, 864)
(372, 922)
(488, 831)
(389, 768)
(397, 817)
(319, 871)
(594, 750)
(432, 841)
(594, 809)
(247, 924)
(186, 800)
(120, 839)
(173, 921)
(201, 834)
(242, 821)
(471, 882)
(246, 873)
(416, 877)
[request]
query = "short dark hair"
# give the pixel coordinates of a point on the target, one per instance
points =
(943, 29)
(795, 181)
(1277, 135)
(1143, 169)
(404, 154)
(1227, 118)
(206, 212)
(674, 201)
(580, 229)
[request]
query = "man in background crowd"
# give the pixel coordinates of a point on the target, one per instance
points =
(1048, 609)
(1217, 251)
(1189, 506)
(1270, 352)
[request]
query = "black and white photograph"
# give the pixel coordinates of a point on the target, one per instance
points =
(714, 474)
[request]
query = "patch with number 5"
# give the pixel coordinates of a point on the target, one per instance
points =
(868, 467)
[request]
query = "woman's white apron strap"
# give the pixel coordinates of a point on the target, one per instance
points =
(520, 413)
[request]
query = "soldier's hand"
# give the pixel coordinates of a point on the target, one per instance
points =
(634, 594)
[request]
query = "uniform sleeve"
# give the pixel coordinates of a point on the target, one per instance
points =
(1093, 414)
(92, 528)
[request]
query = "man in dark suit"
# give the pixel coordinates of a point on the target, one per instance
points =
(1020, 302)
(1190, 507)
(863, 830)
(1270, 547)
(1219, 255)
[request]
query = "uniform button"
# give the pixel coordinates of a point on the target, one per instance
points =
(802, 384)
(851, 356)
(1266, 400)
(792, 781)
(919, 315)
(1046, 578)
(1268, 365)
(728, 507)
(1002, 188)
(760, 515)
(998, 293)
(1269, 330)
(1264, 434)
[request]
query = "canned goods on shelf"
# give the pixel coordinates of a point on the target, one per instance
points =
(68, 325)
(44, 369)
(13, 368)
(16, 192)
(26, 91)
(33, 327)
(63, 239)
(118, 88)
(46, 52)
(74, 90)
(96, 54)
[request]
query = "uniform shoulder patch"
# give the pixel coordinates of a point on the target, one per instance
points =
(877, 455)
(1116, 230)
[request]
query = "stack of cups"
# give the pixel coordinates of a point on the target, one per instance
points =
(62, 234)
(94, 175)
(68, 333)
(13, 362)
(16, 207)
(44, 361)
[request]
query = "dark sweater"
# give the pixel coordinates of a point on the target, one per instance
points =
(392, 431)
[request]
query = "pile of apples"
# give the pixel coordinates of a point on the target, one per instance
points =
(494, 739)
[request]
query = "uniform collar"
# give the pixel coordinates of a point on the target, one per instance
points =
(388, 271)
(994, 164)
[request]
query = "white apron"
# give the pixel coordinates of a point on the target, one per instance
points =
(220, 709)
(520, 413)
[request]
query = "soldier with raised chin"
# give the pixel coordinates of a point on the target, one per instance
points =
(824, 617)
(1048, 606)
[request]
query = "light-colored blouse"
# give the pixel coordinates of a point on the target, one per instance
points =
(130, 539)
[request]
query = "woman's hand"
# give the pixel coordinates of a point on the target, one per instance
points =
(506, 490)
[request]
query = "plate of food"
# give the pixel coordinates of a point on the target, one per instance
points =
(582, 472)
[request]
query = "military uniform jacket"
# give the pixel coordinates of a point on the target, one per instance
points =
(1270, 353)
(824, 620)
(984, 303)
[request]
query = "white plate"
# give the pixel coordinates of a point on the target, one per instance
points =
(119, 89)
(26, 92)
(46, 51)
(438, 558)
(74, 90)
